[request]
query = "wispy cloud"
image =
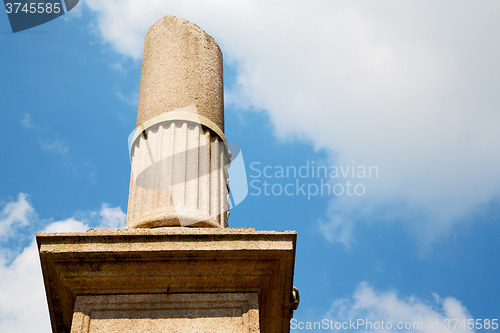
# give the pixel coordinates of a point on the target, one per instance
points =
(50, 142)
(27, 122)
(372, 306)
(56, 146)
(15, 214)
(48, 139)
(131, 99)
(337, 229)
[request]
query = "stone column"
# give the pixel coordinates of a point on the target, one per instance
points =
(179, 151)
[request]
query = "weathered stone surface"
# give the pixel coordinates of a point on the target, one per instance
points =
(181, 66)
(169, 261)
(158, 313)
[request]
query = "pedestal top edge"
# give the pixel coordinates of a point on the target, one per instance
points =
(167, 231)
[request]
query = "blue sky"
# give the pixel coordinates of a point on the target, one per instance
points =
(411, 88)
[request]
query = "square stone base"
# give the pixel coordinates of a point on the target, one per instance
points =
(158, 313)
(121, 267)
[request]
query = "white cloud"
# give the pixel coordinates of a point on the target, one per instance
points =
(372, 306)
(68, 225)
(112, 217)
(337, 230)
(15, 214)
(23, 304)
(408, 86)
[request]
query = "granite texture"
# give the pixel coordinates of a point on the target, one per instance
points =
(170, 260)
(173, 313)
(181, 66)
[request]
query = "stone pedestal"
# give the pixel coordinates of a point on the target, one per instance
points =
(155, 276)
(169, 280)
